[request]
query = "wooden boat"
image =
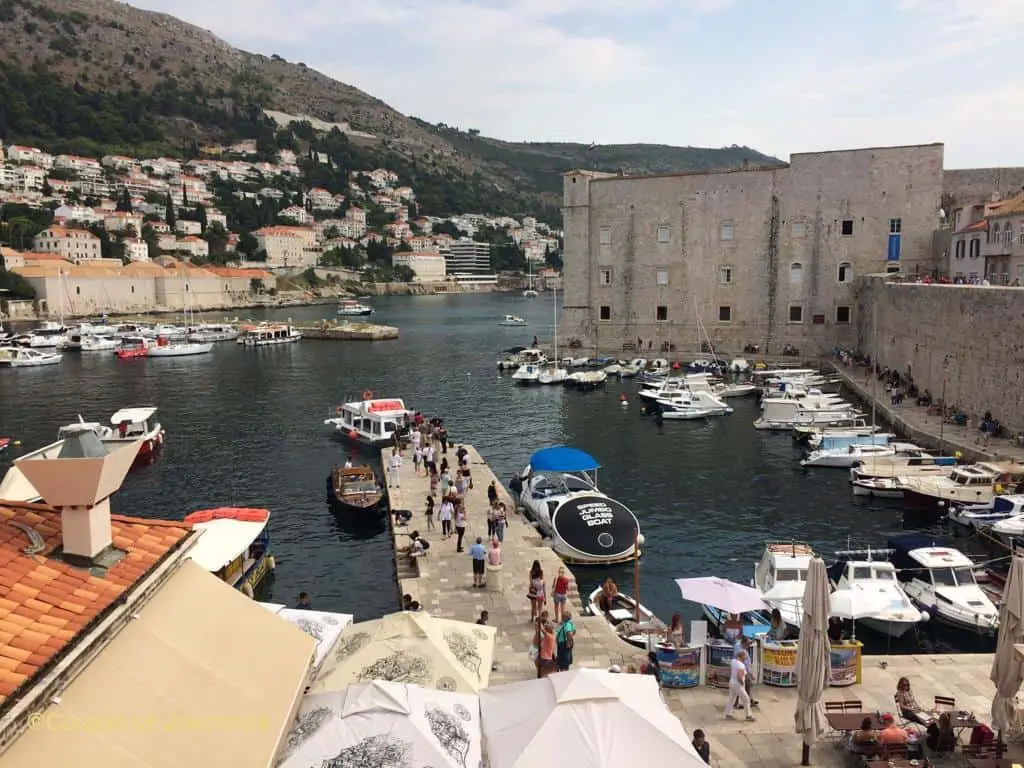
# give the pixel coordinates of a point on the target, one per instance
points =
(622, 615)
(355, 489)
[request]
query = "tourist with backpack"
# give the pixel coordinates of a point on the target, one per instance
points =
(566, 638)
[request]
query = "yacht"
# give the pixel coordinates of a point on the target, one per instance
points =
(27, 357)
(352, 308)
(512, 320)
(781, 577)
(864, 448)
(977, 516)
(558, 490)
(371, 421)
(522, 356)
(940, 580)
(968, 484)
(178, 346)
(527, 373)
(858, 570)
(267, 334)
(1009, 529)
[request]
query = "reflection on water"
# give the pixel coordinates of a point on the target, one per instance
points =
(244, 426)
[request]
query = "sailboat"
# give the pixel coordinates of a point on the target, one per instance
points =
(529, 293)
(178, 345)
(554, 374)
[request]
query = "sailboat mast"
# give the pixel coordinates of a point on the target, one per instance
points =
(874, 363)
(554, 294)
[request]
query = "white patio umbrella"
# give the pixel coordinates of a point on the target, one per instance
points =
(385, 724)
(812, 659)
(721, 593)
(1007, 672)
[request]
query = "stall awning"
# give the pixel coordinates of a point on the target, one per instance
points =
(204, 677)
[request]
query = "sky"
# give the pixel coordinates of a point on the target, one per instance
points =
(780, 76)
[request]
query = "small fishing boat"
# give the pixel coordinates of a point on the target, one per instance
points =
(631, 622)
(27, 357)
(131, 424)
(352, 308)
(132, 347)
(356, 489)
(234, 546)
(867, 571)
(512, 320)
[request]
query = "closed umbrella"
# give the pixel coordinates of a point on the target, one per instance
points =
(812, 659)
(1007, 672)
(723, 594)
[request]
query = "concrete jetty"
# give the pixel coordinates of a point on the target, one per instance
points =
(442, 583)
(328, 330)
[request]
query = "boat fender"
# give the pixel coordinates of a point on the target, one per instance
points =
(925, 616)
(640, 539)
(367, 394)
(247, 590)
(271, 563)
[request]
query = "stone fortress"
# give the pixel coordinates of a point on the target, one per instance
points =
(780, 256)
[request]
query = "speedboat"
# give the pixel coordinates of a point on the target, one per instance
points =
(975, 516)
(559, 493)
(691, 405)
(586, 380)
(27, 357)
(512, 320)
(234, 546)
(527, 373)
(632, 622)
(522, 356)
(781, 576)
(178, 346)
(352, 308)
(782, 414)
(356, 489)
(1009, 529)
(855, 426)
(371, 421)
(968, 484)
(267, 334)
(867, 447)
(858, 571)
(940, 580)
(736, 389)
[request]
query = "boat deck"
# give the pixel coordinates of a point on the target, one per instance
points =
(442, 583)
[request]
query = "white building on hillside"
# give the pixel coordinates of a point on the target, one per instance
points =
(288, 247)
(73, 244)
(85, 167)
(194, 246)
(29, 155)
(429, 266)
(297, 214)
(469, 257)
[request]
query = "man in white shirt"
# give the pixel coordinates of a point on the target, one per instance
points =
(394, 464)
(737, 685)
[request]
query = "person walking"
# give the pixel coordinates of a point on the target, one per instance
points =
(500, 523)
(394, 464)
(460, 524)
(737, 686)
(535, 593)
(478, 552)
(744, 644)
(565, 638)
(429, 513)
(560, 594)
(445, 515)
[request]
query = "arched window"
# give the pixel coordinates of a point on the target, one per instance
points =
(845, 272)
(796, 273)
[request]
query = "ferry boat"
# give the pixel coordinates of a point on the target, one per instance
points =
(356, 490)
(352, 308)
(862, 571)
(940, 580)
(968, 484)
(781, 577)
(558, 490)
(512, 320)
(26, 357)
(371, 421)
(234, 546)
(266, 334)
(132, 347)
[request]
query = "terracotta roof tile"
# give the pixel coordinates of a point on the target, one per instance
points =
(45, 603)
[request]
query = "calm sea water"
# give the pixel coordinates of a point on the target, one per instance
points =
(245, 427)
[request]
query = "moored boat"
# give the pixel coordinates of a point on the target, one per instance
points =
(512, 320)
(528, 373)
(522, 356)
(234, 546)
(267, 334)
(978, 516)
(863, 571)
(178, 346)
(356, 489)
(212, 332)
(131, 424)
(352, 308)
(371, 421)
(132, 347)
(781, 577)
(967, 484)
(633, 623)
(27, 357)
(92, 343)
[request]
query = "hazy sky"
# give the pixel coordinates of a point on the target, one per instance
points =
(781, 76)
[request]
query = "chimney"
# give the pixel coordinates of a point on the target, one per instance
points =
(79, 482)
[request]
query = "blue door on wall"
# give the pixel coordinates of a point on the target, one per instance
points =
(894, 248)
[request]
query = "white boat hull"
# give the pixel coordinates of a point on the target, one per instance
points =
(877, 488)
(556, 376)
(180, 350)
(268, 342)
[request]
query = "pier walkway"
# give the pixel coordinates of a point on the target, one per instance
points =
(442, 583)
(927, 430)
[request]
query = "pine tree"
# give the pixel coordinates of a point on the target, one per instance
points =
(169, 216)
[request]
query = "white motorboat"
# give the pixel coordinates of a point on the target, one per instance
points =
(512, 320)
(138, 423)
(27, 357)
(853, 426)
(371, 421)
(686, 405)
(178, 346)
(586, 380)
(528, 373)
(352, 308)
(91, 343)
(559, 493)
(878, 487)
(940, 580)
(968, 484)
(830, 440)
(47, 335)
(867, 447)
(781, 577)
(267, 334)
(875, 478)
(529, 293)
(552, 375)
(576, 362)
(858, 571)
(88, 336)
(787, 414)
(675, 386)
(1009, 529)
(633, 623)
(977, 516)
(213, 332)
(736, 390)
(633, 367)
(522, 356)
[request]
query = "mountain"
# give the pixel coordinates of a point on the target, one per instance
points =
(96, 76)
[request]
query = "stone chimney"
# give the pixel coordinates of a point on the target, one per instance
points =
(79, 482)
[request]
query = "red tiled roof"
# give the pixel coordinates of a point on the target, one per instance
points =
(45, 603)
(978, 226)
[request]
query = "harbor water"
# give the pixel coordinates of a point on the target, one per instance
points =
(244, 428)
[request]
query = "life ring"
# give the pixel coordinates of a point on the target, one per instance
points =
(338, 410)
(367, 394)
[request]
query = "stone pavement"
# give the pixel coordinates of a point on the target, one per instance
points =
(442, 583)
(916, 424)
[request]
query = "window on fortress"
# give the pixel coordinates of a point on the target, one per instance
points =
(895, 226)
(1020, 237)
(727, 231)
(605, 312)
(725, 314)
(605, 277)
(662, 277)
(796, 314)
(975, 247)
(78, 290)
(796, 273)
(606, 237)
(660, 313)
(845, 272)
(799, 229)
(726, 275)
(662, 234)
(843, 315)
(847, 229)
